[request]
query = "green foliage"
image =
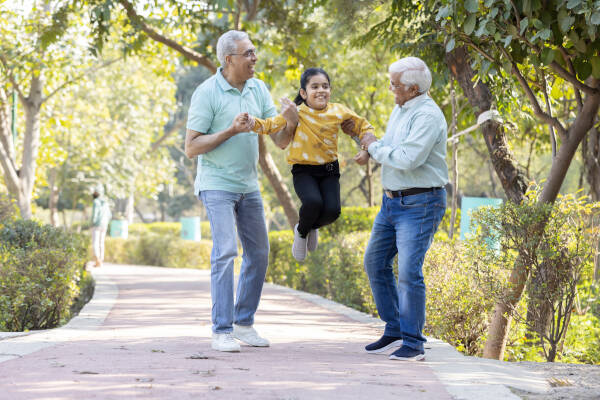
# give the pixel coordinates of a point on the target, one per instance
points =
(352, 219)
(552, 243)
(41, 267)
(163, 250)
(335, 270)
(166, 228)
(457, 307)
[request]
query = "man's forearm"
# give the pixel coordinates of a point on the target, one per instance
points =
(197, 143)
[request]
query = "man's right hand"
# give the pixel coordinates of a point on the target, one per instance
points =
(242, 123)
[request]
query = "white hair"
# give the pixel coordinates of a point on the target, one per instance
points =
(227, 44)
(414, 72)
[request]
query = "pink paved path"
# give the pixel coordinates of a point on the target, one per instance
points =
(162, 318)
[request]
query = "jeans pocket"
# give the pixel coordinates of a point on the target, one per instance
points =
(415, 200)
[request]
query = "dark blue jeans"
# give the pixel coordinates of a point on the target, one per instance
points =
(405, 226)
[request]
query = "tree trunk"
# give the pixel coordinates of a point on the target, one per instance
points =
(53, 198)
(480, 97)
(20, 181)
(369, 170)
(31, 144)
(590, 150)
(129, 208)
(496, 342)
(270, 170)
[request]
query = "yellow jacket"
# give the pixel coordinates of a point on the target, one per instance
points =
(315, 139)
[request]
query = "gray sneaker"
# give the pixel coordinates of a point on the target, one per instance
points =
(248, 335)
(299, 246)
(312, 240)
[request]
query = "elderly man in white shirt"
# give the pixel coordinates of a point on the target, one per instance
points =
(412, 154)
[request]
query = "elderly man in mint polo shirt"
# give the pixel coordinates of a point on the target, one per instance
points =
(412, 154)
(227, 184)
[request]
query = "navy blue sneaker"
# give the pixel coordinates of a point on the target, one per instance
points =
(405, 353)
(383, 344)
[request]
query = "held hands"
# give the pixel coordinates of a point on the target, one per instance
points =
(243, 122)
(362, 157)
(367, 139)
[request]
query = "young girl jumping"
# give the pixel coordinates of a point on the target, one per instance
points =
(313, 155)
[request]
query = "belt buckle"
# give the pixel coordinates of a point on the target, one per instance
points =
(329, 167)
(388, 194)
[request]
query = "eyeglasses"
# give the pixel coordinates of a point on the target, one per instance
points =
(248, 53)
(394, 86)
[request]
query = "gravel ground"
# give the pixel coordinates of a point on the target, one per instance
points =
(568, 381)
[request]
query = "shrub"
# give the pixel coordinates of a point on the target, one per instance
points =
(39, 274)
(166, 228)
(159, 250)
(457, 308)
(352, 219)
(335, 270)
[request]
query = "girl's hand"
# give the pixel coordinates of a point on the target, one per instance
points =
(362, 157)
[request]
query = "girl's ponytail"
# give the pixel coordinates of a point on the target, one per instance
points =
(298, 100)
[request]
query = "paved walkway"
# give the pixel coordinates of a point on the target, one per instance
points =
(146, 334)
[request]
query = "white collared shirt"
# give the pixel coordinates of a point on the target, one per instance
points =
(412, 153)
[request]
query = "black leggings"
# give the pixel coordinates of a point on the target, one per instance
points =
(318, 187)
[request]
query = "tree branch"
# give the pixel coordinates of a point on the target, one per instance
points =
(89, 70)
(562, 132)
(573, 79)
(12, 79)
(176, 126)
(183, 50)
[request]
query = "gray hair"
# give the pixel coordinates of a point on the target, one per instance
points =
(414, 72)
(227, 45)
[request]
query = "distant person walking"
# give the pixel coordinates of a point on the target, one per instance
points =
(101, 216)
(412, 154)
(227, 184)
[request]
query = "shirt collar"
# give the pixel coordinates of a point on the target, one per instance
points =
(414, 101)
(225, 86)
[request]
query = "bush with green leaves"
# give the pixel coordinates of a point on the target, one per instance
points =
(335, 270)
(40, 268)
(164, 250)
(166, 228)
(554, 244)
(457, 307)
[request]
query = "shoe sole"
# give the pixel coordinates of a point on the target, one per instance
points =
(253, 345)
(418, 357)
(226, 351)
(396, 343)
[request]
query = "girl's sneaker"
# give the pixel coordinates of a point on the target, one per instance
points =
(299, 246)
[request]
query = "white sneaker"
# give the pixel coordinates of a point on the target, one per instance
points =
(224, 342)
(248, 335)
(299, 246)
(312, 240)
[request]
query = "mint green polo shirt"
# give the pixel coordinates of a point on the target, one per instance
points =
(232, 165)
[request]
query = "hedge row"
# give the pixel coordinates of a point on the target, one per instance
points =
(166, 228)
(42, 270)
(160, 250)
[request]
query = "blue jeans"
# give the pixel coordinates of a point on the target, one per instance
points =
(405, 226)
(225, 211)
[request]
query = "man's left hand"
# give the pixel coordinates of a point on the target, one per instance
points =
(367, 139)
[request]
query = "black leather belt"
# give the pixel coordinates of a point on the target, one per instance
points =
(407, 192)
